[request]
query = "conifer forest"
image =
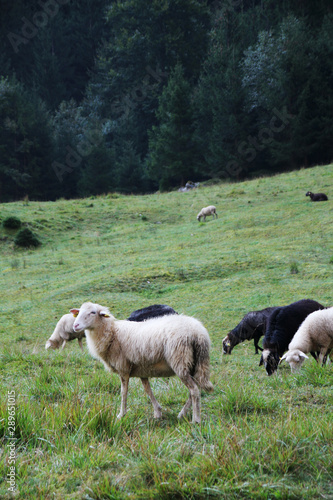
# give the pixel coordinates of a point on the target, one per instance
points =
(136, 96)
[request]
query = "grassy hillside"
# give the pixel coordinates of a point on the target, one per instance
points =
(261, 437)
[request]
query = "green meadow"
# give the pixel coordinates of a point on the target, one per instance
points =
(260, 438)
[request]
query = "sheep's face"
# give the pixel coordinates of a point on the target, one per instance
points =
(88, 316)
(226, 345)
(270, 360)
(53, 344)
(295, 359)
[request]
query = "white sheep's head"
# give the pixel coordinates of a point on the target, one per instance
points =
(295, 358)
(53, 344)
(89, 316)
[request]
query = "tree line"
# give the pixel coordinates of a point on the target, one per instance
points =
(134, 96)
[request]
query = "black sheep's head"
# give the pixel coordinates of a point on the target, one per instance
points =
(270, 360)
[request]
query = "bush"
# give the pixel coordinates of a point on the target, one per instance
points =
(12, 223)
(26, 238)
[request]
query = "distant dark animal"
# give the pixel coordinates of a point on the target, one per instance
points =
(281, 327)
(252, 326)
(151, 312)
(317, 196)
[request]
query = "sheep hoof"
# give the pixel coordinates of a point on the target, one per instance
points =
(120, 415)
(157, 414)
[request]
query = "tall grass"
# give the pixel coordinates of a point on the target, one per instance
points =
(261, 437)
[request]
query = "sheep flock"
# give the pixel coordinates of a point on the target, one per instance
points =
(156, 341)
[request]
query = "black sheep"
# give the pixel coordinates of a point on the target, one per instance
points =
(317, 196)
(281, 327)
(151, 312)
(252, 326)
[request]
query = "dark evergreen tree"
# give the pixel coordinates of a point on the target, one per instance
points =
(283, 78)
(51, 47)
(129, 170)
(146, 40)
(26, 145)
(172, 154)
(98, 173)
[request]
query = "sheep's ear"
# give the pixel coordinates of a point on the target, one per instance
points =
(283, 357)
(261, 362)
(302, 355)
(105, 314)
(75, 312)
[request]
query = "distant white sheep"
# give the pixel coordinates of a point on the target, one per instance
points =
(314, 334)
(211, 210)
(158, 347)
(64, 333)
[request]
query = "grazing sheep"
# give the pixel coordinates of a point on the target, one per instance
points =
(211, 210)
(314, 334)
(64, 329)
(64, 332)
(252, 326)
(317, 196)
(159, 347)
(281, 327)
(151, 312)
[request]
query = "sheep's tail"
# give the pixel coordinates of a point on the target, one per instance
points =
(201, 365)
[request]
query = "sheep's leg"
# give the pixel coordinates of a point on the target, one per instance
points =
(80, 344)
(256, 346)
(322, 356)
(186, 407)
(124, 391)
(63, 344)
(156, 405)
(194, 399)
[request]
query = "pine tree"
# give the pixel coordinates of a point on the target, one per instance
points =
(26, 144)
(172, 154)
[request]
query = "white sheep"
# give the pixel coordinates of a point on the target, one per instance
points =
(315, 334)
(211, 210)
(158, 347)
(64, 332)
